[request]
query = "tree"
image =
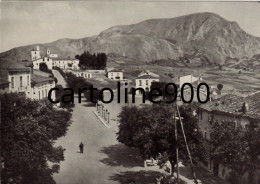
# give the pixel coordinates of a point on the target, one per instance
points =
(43, 67)
(165, 91)
(93, 61)
(235, 147)
(28, 131)
(59, 93)
(76, 83)
(151, 130)
(220, 87)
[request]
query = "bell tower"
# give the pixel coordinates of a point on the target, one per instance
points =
(35, 53)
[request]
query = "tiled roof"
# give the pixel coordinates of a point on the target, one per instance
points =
(3, 81)
(115, 70)
(39, 79)
(16, 67)
(59, 59)
(147, 77)
(232, 104)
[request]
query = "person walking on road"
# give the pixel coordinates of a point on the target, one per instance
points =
(81, 146)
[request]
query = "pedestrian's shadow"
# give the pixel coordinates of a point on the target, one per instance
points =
(120, 155)
(136, 177)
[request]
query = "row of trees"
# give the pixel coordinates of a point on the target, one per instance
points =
(152, 131)
(28, 131)
(76, 83)
(97, 61)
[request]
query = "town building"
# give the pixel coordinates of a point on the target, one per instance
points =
(240, 110)
(81, 73)
(46, 59)
(115, 74)
(18, 78)
(189, 79)
(21, 79)
(52, 60)
(145, 82)
(40, 87)
(65, 63)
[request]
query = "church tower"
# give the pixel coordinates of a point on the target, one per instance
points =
(35, 53)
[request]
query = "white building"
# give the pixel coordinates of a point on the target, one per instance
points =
(46, 59)
(145, 82)
(65, 63)
(115, 75)
(52, 60)
(85, 74)
(18, 77)
(40, 87)
(35, 53)
(189, 79)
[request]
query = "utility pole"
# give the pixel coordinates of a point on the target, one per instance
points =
(176, 141)
(187, 147)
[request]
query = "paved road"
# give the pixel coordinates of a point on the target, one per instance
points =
(59, 77)
(104, 160)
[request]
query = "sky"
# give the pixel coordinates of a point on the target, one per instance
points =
(31, 22)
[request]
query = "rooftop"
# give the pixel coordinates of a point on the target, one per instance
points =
(233, 104)
(39, 79)
(147, 77)
(115, 70)
(62, 58)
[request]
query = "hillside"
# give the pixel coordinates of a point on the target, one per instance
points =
(201, 37)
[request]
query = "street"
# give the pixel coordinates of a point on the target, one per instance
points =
(104, 160)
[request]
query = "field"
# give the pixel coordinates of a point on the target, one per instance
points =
(233, 80)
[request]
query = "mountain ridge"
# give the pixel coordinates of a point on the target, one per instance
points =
(206, 33)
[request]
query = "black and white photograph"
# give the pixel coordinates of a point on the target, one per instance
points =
(129, 92)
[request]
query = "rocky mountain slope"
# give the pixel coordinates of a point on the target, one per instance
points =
(204, 36)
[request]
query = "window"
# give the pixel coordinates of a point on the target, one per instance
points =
(111, 74)
(88, 75)
(35, 52)
(209, 117)
(140, 82)
(43, 59)
(118, 74)
(42, 93)
(146, 82)
(205, 133)
(39, 95)
(12, 82)
(21, 82)
(28, 80)
(46, 92)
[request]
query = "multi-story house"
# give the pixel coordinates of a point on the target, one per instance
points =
(41, 86)
(52, 60)
(145, 82)
(18, 78)
(65, 63)
(240, 110)
(21, 79)
(115, 75)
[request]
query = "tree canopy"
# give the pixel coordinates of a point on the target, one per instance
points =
(151, 130)
(76, 83)
(28, 131)
(236, 147)
(95, 61)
